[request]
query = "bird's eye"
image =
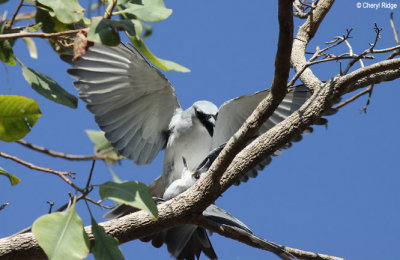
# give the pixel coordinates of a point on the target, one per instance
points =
(196, 176)
(199, 114)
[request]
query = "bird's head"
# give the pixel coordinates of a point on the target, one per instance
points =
(187, 173)
(207, 114)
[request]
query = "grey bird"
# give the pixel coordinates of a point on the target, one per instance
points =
(187, 242)
(137, 108)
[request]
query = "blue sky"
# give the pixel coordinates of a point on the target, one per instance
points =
(336, 192)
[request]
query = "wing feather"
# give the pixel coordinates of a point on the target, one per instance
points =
(233, 113)
(132, 101)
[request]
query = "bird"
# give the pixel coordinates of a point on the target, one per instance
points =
(137, 108)
(188, 241)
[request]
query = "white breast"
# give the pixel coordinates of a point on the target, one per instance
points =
(189, 139)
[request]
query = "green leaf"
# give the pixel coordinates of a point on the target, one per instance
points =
(48, 88)
(161, 63)
(61, 235)
(148, 12)
(17, 116)
(31, 47)
(100, 142)
(35, 27)
(6, 52)
(132, 193)
(102, 146)
(158, 3)
(3, 1)
(45, 17)
(105, 246)
(104, 31)
(50, 24)
(13, 179)
(66, 11)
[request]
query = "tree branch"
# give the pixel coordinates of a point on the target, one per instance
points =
(256, 242)
(396, 38)
(71, 157)
(10, 23)
(353, 98)
(109, 10)
(267, 106)
(305, 34)
(24, 246)
(10, 36)
(60, 174)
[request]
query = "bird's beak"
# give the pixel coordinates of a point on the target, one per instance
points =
(212, 120)
(184, 162)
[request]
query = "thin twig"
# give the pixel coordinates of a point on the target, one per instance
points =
(18, 28)
(367, 51)
(337, 58)
(51, 204)
(350, 48)
(360, 94)
(337, 41)
(110, 9)
(10, 23)
(90, 212)
(90, 175)
(377, 36)
(71, 157)
(2, 206)
(62, 175)
(98, 203)
(39, 35)
(370, 89)
(25, 16)
(63, 207)
(396, 38)
(394, 48)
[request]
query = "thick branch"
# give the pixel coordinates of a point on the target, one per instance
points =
(305, 34)
(267, 106)
(262, 244)
(382, 71)
(313, 109)
(139, 224)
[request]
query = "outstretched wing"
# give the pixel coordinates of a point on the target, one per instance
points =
(233, 113)
(132, 101)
